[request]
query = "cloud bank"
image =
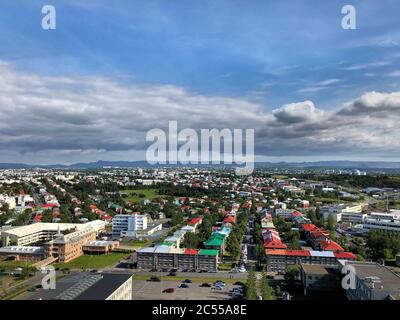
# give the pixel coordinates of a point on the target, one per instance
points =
(64, 119)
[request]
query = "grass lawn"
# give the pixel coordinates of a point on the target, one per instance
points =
(93, 261)
(135, 244)
(11, 265)
(133, 195)
(225, 266)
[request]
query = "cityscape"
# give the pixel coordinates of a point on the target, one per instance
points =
(232, 153)
(200, 233)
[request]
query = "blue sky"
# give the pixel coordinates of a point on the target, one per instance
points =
(277, 51)
(262, 54)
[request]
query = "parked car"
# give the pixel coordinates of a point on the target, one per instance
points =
(183, 285)
(155, 279)
(217, 288)
(187, 281)
(169, 290)
(164, 270)
(203, 271)
(173, 274)
(205, 284)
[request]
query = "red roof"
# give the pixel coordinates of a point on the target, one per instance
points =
(296, 214)
(345, 255)
(274, 245)
(191, 251)
(229, 219)
(298, 253)
(195, 221)
(309, 227)
(49, 205)
(329, 245)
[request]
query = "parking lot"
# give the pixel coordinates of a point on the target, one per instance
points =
(148, 290)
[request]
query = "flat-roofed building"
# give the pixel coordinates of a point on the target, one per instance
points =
(100, 246)
(167, 257)
(320, 279)
(20, 253)
(373, 282)
(279, 260)
(42, 232)
(89, 286)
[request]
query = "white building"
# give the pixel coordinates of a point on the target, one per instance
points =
(42, 232)
(389, 221)
(10, 200)
(127, 225)
(338, 210)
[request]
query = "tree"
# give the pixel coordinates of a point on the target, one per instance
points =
(292, 273)
(233, 246)
(251, 288)
(278, 291)
(330, 223)
(191, 240)
(259, 252)
(177, 218)
(265, 289)
(47, 216)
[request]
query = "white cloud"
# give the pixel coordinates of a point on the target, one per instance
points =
(63, 119)
(395, 73)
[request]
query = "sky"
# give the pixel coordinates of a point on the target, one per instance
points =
(113, 70)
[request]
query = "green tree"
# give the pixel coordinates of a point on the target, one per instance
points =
(278, 291)
(330, 222)
(292, 273)
(233, 246)
(265, 289)
(191, 240)
(251, 287)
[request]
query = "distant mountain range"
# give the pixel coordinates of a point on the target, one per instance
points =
(362, 165)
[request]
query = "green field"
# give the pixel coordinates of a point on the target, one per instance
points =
(93, 261)
(135, 244)
(9, 266)
(133, 195)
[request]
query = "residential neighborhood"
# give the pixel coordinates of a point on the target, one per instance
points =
(199, 224)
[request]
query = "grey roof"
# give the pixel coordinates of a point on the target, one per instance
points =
(383, 278)
(103, 288)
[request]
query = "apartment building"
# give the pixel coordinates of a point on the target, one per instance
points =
(279, 260)
(128, 225)
(165, 257)
(67, 247)
(337, 211)
(43, 232)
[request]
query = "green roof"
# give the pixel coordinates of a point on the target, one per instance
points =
(208, 252)
(167, 243)
(216, 240)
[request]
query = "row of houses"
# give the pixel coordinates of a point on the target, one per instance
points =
(326, 251)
